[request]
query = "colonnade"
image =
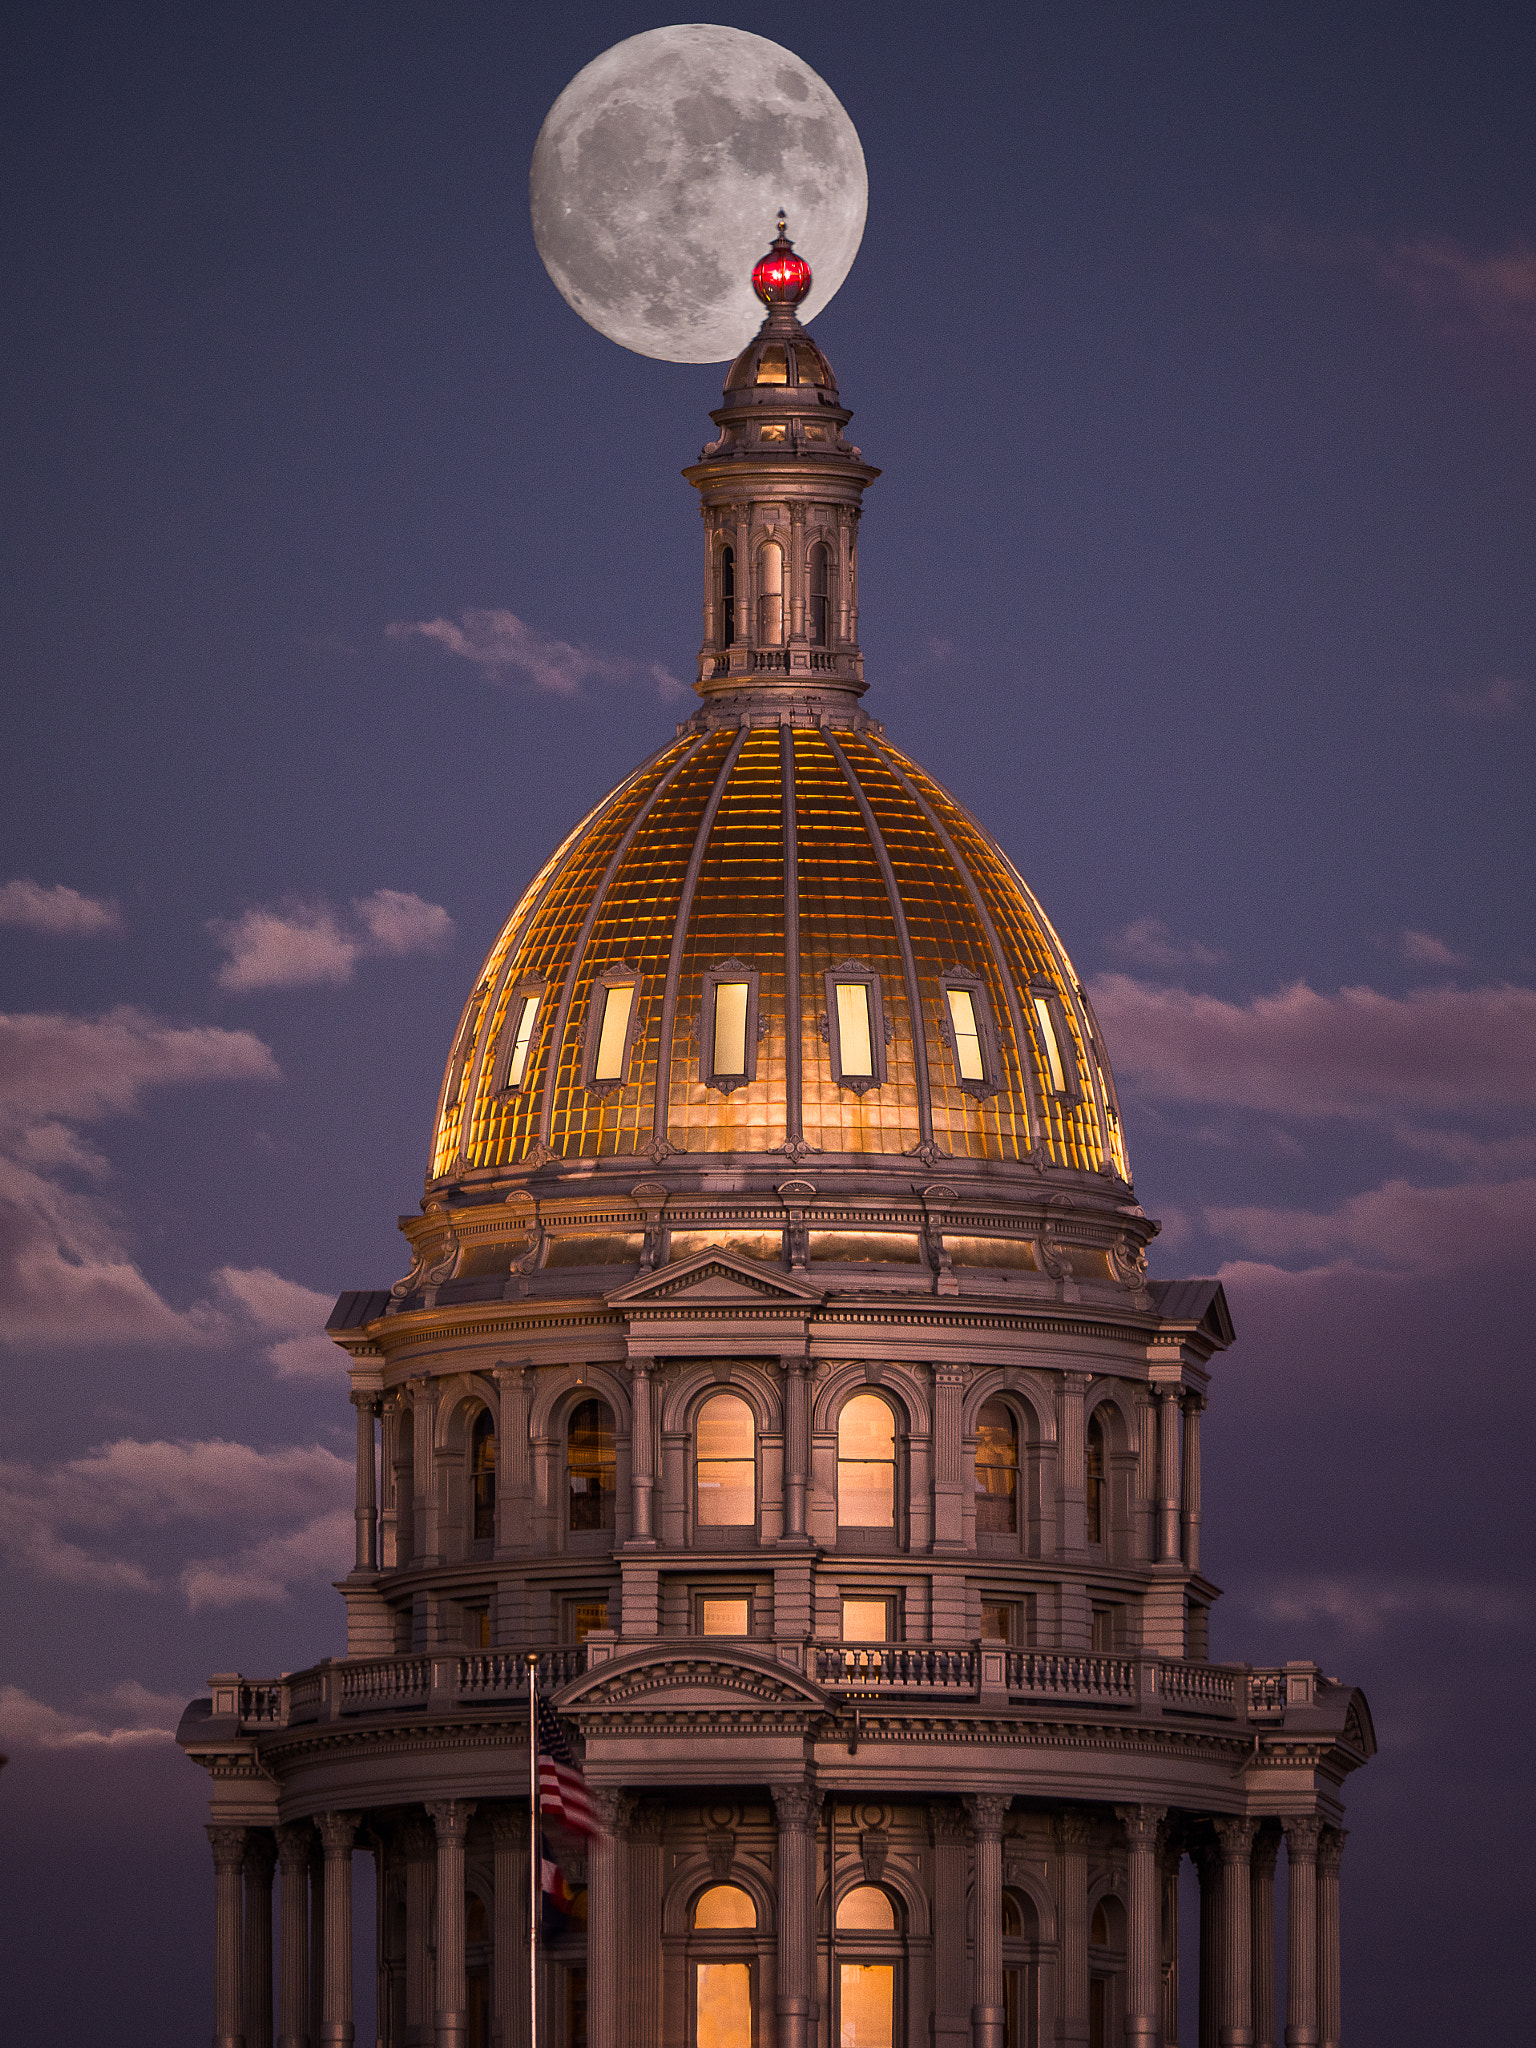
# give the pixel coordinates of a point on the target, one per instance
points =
(1235, 1859)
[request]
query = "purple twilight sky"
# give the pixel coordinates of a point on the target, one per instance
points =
(1197, 344)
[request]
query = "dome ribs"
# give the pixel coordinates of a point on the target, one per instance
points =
(794, 1115)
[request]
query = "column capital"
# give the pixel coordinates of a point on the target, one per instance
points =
(986, 1810)
(1301, 1833)
(366, 1401)
(1236, 1838)
(338, 1831)
(646, 1821)
(451, 1817)
(798, 1806)
(509, 1826)
(612, 1807)
(295, 1841)
(416, 1837)
(228, 1845)
(1141, 1824)
(1266, 1850)
(1330, 1848)
(260, 1852)
(948, 1824)
(1073, 1831)
(1192, 1402)
(1076, 1383)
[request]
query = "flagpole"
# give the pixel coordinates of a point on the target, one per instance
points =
(534, 1873)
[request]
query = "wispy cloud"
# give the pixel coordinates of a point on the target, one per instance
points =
(1396, 1227)
(1423, 949)
(1502, 698)
(1492, 290)
(313, 944)
(285, 1311)
(127, 1715)
(1147, 942)
(1367, 1604)
(501, 645)
(61, 912)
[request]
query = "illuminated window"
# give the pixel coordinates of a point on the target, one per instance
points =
(727, 596)
(590, 1468)
(997, 1470)
(725, 1905)
(722, 1976)
(1021, 1971)
(770, 595)
(726, 1444)
(966, 1027)
(525, 1013)
(1055, 1041)
(866, 1464)
(482, 1468)
(820, 579)
(997, 1621)
(773, 433)
(1095, 1480)
(727, 1614)
(855, 1026)
(869, 1949)
(773, 367)
(581, 1614)
(728, 1020)
(866, 1621)
(611, 1028)
(807, 365)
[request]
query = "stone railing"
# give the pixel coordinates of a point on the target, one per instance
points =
(894, 1667)
(1053, 1674)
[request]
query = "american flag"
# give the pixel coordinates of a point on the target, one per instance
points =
(562, 1788)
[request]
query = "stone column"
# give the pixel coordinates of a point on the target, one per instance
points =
(642, 1451)
(797, 1446)
(1206, 1858)
(1072, 1834)
(316, 1937)
(366, 1513)
(952, 1990)
(509, 1949)
(796, 572)
(293, 1850)
(798, 1807)
(605, 1921)
(989, 2016)
(450, 2019)
(1072, 1466)
(1168, 1475)
(1301, 1973)
(746, 636)
(511, 1458)
(338, 1831)
(424, 1516)
(418, 1846)
(1262, 1916)
(951, 1481)
(228, 1845)
(1170, 1856)
(1193, 1403)
(640, 2019)
(1144, 1943)
(260, 1861)
(1235, 2025)
(1330, 1854)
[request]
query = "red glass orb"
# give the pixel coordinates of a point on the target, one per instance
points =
(781, 278)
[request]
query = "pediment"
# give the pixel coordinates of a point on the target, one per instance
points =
(715, 1278)
(688, 1680)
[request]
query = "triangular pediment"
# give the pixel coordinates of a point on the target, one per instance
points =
(717, 1278)
(685, 1680)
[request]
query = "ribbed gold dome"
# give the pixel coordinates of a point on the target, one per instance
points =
(788, 862)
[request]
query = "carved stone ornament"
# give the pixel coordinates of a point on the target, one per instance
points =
(509, 1827)
(295, 1841)
(1129, 1261)
(1074, 1831)
(451, 1817)
(539, 1154)
(720, 1849)
(1236, 1839)
(1330, 1848)
(612, 1807)
(874, 1847)
(986, 1810)
(1301, 1836)
(948, 1825)
(798, 1807)
(338, 1832)
(260, 1853)
(929, 1153)
(1141, 1824)
(658, 1150)
(228, 1845)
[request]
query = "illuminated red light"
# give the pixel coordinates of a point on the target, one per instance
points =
(781, 278)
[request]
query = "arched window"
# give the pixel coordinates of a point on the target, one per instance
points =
(820, 621)
(1095, 1502)
(1021, 1971)
(869, 1958)
(1106, 1969)
(727, 596)
(482, 1478)
(866, 1464)
(726, 1448)
(723, 1967)
(770, 595)
(997, 1470)
(590, 1469)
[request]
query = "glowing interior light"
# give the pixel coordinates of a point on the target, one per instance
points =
(864, 1621)
(517, 1066)
(617, 1004)
(723, 1618)
(854, 1046)
(962, 1017)
(1052, 1047)
(730, 1027)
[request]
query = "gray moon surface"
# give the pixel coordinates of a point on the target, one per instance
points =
(658, 176)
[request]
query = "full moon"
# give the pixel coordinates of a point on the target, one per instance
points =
(658, 177)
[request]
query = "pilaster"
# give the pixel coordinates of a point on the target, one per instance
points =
(338, 1832)
(989, 2017)
(228, 1846)
(1143, 1974)
(1301, 1837)
(450, 1818)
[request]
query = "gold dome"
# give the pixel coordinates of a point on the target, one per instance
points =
(778, 939)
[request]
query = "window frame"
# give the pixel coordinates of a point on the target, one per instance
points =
(871, 1596)
(814, 597)
(728, 1591)
(481, 1545)
(727, 971)
(869, 1947)
(1096, 1485)
(726, 597)
(1002, 1541)
(880, 1032)
(604, 1535)
(1041, 990)
(766, 597)
(530, 988)
(990, 1081)
(725, 1535)
(620, 975)
(854, 1536)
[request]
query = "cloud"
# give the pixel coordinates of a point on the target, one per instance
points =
(1502, 698)
(1493, 291)
(127, 1715)
(500, 645)
(1149, 943)
(1366, 1604)
(312, 944)
(294, 1315)
(66, 1271)
(1302, 1054)
(1423, 949)
(59, 911)
(102, 1521)
(1399, 1227)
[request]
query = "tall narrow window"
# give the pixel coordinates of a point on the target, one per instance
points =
(866, 1464)
(855, 1040)
(820, 624)
(1055, 1044)
(522, 1041)
(997, 1470)
(869, 1949)
(855, 1026)
(770, 596)
(727, 1463)
(722, 1977)
(482, 1465)
(590, 1466)
(730, 1028)
(727, 596)
(1095, 1480)
(611, 1018)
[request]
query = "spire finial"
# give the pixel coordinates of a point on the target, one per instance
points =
(781, 278)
